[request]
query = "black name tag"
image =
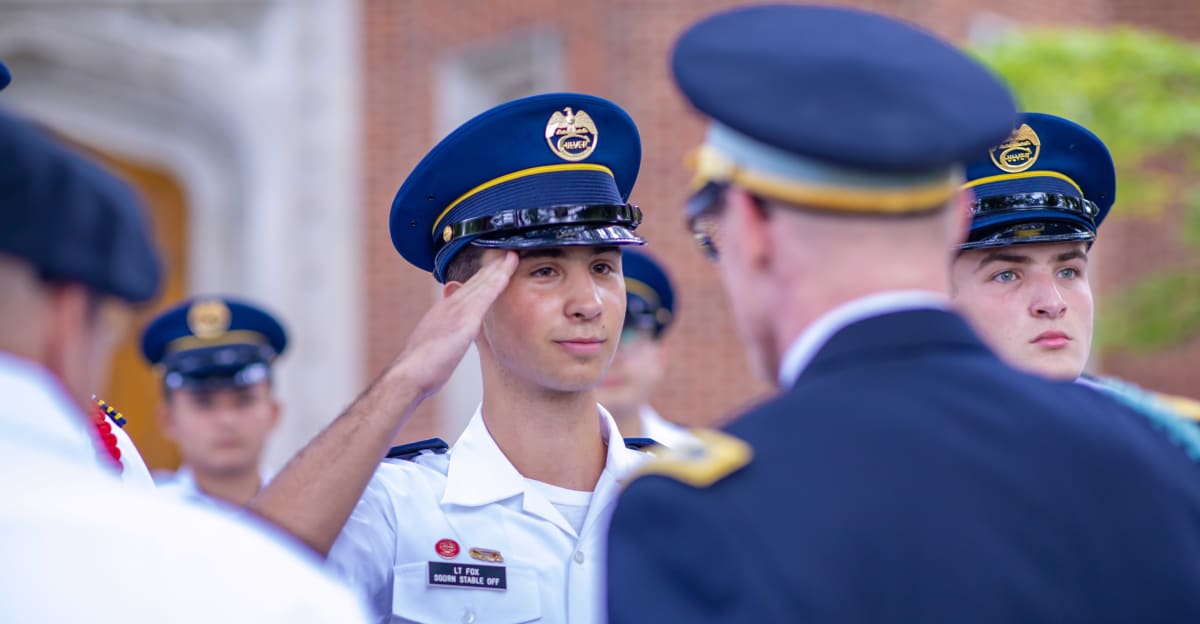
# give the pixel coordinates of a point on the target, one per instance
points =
(444, 574)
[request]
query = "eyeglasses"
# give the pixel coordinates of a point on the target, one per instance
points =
(707, 234)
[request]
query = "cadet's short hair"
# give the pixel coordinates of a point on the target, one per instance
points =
(465, 264)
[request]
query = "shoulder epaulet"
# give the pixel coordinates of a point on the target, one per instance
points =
(640, 444)
(411, 450)
(1188, 408)
(1160, 412)
(713, 456)
(113, 415)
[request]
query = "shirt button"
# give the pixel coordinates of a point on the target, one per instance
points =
(468, 617)
(579, 556)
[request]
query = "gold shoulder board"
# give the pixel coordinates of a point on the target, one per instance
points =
(1188, 408)
(711, 458)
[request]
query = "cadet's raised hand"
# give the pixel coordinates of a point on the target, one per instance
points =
(442, 336)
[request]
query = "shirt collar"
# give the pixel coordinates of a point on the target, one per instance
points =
(38, 412)
(479, 473)
(810, 341)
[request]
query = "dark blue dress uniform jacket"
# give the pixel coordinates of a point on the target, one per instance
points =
(909, 476)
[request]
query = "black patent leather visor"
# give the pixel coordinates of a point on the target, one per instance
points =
(1019, 202)
(567, 224)
(1030, 232)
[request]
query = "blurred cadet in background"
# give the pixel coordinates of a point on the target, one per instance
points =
(642, 358)
(1022, 276)
(215, 355)
(75, 255)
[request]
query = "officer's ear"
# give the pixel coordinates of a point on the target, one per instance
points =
(449, 288)
(748, 222)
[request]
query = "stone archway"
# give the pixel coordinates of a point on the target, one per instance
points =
(208, 92)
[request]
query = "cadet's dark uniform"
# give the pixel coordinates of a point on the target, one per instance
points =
(905, 474)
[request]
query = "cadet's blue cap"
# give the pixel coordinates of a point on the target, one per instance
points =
(5, 77)
(213, 342)
(836, 109)
(70, 219)
(1051, 181)
(650, 301)
(543, 171)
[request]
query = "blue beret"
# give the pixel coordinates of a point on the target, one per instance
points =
(213, 341)
(542, 171)
(5, 77)
(70, 219)
(650, 300)
(836, 108)
(1052, 180)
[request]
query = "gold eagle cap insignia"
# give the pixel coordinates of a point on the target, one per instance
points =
(208, 319)
(572, 135)
(713, 456)
(1019, 152)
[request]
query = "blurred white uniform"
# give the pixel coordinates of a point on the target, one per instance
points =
(133, 468)
(522, 551)
(80, 546)
(182, 485)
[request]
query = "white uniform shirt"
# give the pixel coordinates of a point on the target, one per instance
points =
(181, 485)
(133, 468)
(473, 496)
(662, 430)
(810, 341)
(80, 546)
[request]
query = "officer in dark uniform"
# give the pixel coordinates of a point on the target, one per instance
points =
(904, 473)
(215, 356)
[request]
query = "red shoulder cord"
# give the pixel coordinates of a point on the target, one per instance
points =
(108, 441)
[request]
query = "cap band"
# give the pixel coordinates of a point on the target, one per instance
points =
(514, 176)
(238, 336)
(1041, 173)
(731, 157)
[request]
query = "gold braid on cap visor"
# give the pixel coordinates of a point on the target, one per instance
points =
(711, 165)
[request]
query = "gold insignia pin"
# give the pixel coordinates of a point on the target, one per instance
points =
(208, 319)
(447, 234)
(1019, 152)
(572, 136)
(483, 554)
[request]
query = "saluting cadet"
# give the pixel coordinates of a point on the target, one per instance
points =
(904, 473)
(1022, 276)
(214, 355)
(79, 545)
(641, 360)
(521, 213)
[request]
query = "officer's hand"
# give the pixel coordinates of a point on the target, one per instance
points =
(441, 338)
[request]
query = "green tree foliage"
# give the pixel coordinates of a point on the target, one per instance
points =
(1139, 92)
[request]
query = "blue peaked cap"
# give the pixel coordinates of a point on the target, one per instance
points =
(543, 171)
(1051, 180)
(836, 109)
(650, 300)
(70, 219)
(213, 341)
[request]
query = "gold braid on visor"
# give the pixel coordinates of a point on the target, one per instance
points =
(710, 165)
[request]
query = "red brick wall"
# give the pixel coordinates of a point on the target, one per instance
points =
(618, 49)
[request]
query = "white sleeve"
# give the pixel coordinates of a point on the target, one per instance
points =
(364, 554)
(133, 468)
